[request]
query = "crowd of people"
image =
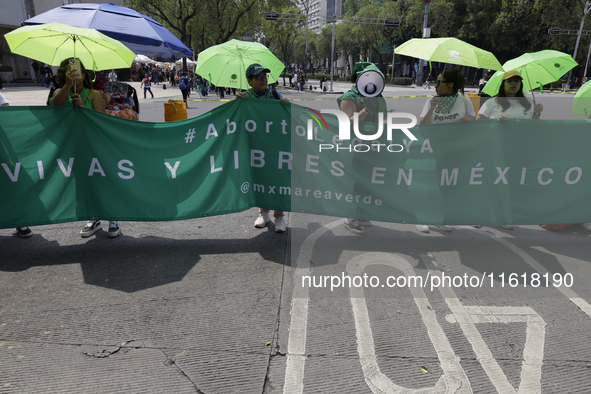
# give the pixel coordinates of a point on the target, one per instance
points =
(448, 105)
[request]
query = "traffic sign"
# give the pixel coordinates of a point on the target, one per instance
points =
(385, 48)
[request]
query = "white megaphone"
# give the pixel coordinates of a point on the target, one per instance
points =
(370, 83)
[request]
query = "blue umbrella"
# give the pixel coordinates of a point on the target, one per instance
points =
(141, 34)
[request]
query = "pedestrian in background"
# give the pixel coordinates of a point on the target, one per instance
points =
(147, 86)
(112, 76)
(35, 66)
(302, 82)
(184, 86)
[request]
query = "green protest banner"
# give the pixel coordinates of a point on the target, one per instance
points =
(62, 164)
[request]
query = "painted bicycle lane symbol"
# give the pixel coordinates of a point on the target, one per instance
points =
(454, 378)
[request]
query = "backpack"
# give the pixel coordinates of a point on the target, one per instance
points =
(183, 84)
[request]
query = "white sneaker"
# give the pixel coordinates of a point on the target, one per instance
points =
(423, 228)
(114, 229)
(445, 227)
(262, 220)
(280, 225)
(355, 227)
(91, 227)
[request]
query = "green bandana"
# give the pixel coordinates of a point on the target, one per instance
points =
(253, 94)
(447, 102)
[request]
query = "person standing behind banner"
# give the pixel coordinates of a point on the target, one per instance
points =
(447, 107)
(510, 103)
(368, 110)
(256, 76)
(23, 232)
(72, 70)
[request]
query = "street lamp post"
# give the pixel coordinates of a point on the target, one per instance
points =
(426, 34)
(306, 59)
(334, 22)
(585, 12)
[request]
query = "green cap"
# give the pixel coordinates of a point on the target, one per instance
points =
(360, 67)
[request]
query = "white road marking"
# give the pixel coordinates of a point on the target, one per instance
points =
(483, 353)
(568, 292)
(296, 345)
(454, 379)
(533, 351)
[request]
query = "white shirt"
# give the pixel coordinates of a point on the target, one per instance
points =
(462, 107)
(112, 77)
(492, 109)
(3, 101)
(295, 78)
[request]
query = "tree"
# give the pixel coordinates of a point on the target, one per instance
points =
(175, 14)
(203, 24)
(281, 34)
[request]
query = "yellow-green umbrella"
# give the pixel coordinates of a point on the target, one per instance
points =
(537, 69)
(226, 64)
(449, 50)
(53, 42)
(582, 100)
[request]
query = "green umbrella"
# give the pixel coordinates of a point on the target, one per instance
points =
(53, 42)
(582, 101)
(449, 50)
(226, 63)
(537, 69)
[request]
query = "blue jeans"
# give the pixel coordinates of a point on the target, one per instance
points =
(148, 89)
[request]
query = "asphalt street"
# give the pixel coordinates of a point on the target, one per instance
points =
(215, 305)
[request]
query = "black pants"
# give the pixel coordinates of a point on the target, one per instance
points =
(185, 93)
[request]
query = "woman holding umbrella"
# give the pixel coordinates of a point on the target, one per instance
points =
(71, 75)
(77, 89)
(510, 102)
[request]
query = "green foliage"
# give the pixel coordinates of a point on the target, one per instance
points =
(280, 35)
(400, 81)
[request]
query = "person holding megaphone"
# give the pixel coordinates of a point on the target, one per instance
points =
(364, 98)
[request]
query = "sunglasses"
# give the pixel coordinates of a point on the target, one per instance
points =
(261, 77)
(513, 80)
